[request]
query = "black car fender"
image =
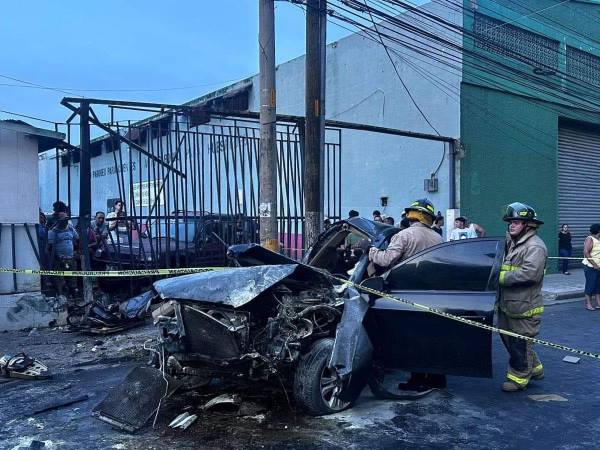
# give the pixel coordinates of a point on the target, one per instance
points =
(352, 350)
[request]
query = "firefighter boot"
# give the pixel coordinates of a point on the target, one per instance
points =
(511, 386)
(514, 383)
(538, 372)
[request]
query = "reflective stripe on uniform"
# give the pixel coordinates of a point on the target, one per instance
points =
(506, 268)
(525, 315)
(520, 381)
(538, 369)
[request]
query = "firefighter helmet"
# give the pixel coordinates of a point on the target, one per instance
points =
(521, 211)
(423, 205)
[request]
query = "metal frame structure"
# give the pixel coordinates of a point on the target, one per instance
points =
(195, 166)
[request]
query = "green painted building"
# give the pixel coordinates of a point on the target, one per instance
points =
(530, 113)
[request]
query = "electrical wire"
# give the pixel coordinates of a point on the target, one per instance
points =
(400, 78)
(486, 115)
(122, 90)
(443, 56)
(447, 52)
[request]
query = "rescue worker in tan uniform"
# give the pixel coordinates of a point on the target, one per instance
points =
(520, 305)
(409, 241)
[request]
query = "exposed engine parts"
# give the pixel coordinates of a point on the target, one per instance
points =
(257, 341)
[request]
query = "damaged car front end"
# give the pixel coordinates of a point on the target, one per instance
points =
(304, 326)
(250, 322)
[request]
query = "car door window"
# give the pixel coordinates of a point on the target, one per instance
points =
(467, 265)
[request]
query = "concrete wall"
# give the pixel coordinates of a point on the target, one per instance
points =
(19, 204)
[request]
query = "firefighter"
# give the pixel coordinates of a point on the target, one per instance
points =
(520, 304)
(418, 236)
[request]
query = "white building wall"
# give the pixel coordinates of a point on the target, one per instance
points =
(362, 87)
(19, 203)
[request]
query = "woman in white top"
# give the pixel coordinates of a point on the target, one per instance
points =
(591, 269)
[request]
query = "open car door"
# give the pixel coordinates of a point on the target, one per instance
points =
(460, 278)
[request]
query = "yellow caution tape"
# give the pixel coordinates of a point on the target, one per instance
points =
(473, 323)
(188, 270)
(111, 273)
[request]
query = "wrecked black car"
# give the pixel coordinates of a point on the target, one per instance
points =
(274, 318)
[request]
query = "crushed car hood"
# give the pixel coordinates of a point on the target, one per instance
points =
(233, 287)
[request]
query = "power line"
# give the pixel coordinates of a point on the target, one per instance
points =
(30, 117)
(182, 88)
(432, 46)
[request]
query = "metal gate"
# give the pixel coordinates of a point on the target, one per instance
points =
(189, 182)
(578, 180)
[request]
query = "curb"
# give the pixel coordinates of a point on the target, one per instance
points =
(563, 297)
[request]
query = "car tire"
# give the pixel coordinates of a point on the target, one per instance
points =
(315, 385)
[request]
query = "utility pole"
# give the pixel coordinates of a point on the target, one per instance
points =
(316, 26)
(85, 195)
(267, 190)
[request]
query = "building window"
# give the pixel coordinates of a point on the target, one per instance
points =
(583, 66)
(513, 42)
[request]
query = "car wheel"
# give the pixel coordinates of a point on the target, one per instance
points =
(316, 386)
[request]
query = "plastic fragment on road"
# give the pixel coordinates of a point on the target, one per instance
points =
(183, 420)
(177, 420)
(571, 359)
(224, 399)
(547, 398)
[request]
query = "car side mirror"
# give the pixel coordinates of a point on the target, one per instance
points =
(375, 283)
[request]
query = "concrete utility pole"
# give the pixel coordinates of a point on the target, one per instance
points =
(85, 195)
(316, 26)
(267, 193)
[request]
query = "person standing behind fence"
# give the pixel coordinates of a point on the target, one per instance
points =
(591, 270)
(61, 246)
(565, 248)
(119, 229)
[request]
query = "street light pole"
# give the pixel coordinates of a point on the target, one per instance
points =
(316, 26)
(268, 151)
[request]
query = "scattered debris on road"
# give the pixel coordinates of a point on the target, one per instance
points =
(130, 405)
(183, 421)
(225, 401)
(547, 398)
(24, 367)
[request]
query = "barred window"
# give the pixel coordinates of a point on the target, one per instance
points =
(508, 40)
(583, 66)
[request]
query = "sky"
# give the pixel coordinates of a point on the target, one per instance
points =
(135, 45)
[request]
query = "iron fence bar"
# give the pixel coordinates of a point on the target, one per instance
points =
(69, 152)
(33, 247)
(57, 174)
(167, 189)
(339, 184)
(14, 255)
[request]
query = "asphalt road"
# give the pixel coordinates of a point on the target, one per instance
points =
(470, 413)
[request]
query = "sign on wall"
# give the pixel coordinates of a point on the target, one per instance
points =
(145, 193)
